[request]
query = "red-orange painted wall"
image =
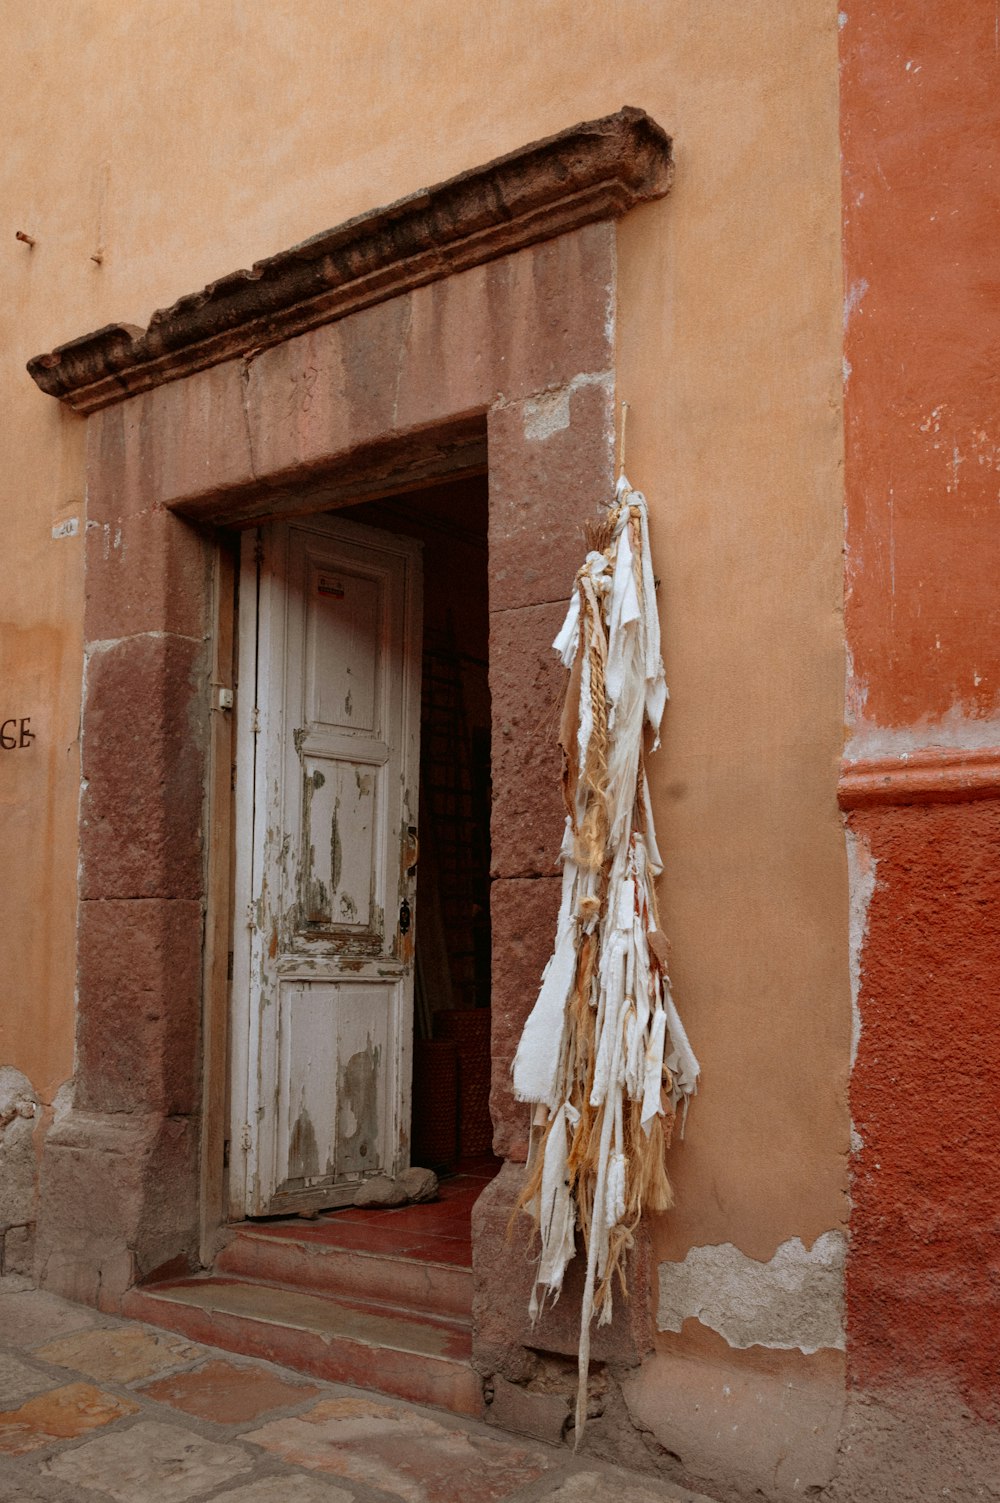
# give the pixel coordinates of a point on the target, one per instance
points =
(924, 1272)
(920, 129)
(920, 96)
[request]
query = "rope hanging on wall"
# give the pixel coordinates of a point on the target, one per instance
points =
(603, 1055)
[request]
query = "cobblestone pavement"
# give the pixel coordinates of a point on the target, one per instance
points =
(94, 1409)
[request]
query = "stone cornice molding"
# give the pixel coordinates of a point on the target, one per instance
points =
(931, 775)
(596, 170)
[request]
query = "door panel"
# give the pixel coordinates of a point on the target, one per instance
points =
(325, 982)
(333, 1108)
(340, 803)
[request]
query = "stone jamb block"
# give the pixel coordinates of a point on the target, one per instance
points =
(504, 1341)
(143, 769)
(146, 571)
(138, 1035)
(527, 683)
(551, 464)
(523, 913)
(118, 1200)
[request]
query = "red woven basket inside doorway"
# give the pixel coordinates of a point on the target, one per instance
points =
(470, 1029)
(435, 1103)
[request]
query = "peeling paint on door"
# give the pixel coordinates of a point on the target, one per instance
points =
(303, 1150)
(358, 1114)
(336, 745)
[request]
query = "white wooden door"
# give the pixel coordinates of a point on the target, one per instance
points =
(327, 770)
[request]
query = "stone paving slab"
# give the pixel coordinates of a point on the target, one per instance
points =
(276, 1490)
(122, 1355)
(175, 1422)
(230, 1393)
(602, 1487)
(155, 1462)
(402, 1452)
(60, 1414)
(18, 1381)
(28, 1319)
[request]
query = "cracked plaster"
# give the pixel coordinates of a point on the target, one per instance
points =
(795, 1300)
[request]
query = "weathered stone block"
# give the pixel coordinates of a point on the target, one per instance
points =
(543, 1416)
(19, 1249)
(146, 571)
(449, 358)
(324, 393)
(523, 915)
(139, 978)
(503, 1339)
(18, 1161)
(551, 460)
(552, 310)
(119, 1199)
(135, 461)
(143, 739)
(508, 329)
(527, 683)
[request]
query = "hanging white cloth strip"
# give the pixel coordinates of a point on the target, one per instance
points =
(603, 1056)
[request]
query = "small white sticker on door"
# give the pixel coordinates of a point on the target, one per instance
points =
(331, 588)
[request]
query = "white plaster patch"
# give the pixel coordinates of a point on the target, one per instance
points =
(62, 1101)
(548, 413)
(954, 731)
(855, 297)
(855, 691)
(794, 1301)
(70, 528)
(861, 880)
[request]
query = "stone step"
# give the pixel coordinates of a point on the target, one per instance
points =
(303, 1260)
(418, 1357)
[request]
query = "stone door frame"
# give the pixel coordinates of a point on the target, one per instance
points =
(472, 325)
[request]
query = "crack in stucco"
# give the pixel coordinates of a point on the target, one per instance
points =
(796, 1300)
(403, 355)
(245, 363)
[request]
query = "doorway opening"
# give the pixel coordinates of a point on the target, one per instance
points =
(451, 1129)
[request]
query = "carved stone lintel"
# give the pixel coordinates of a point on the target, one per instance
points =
(596, 170)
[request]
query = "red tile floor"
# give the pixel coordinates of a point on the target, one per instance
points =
(438, 1232)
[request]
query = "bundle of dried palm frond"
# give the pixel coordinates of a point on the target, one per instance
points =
(603, 1056)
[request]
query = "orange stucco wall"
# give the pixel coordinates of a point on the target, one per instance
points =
(180, 141)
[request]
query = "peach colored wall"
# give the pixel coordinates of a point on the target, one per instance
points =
(181, 139)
